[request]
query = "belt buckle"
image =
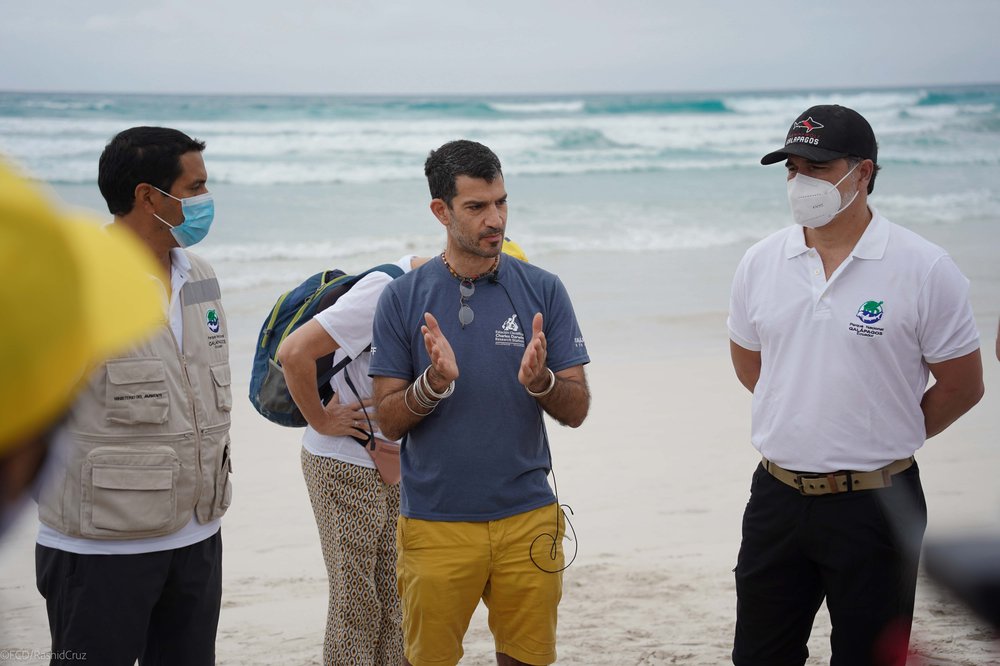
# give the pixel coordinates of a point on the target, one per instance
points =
(830, 487)
(799, 484)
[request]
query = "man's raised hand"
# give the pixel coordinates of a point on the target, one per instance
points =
(533, 373)
(444, 368)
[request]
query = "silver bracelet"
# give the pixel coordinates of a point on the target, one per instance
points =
(548, 389)
(420, 397)
(413, 411)
(430, 392)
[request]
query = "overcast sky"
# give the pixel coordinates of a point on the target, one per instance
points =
(513, 46)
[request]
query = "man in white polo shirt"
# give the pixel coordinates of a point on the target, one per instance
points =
(835, 324)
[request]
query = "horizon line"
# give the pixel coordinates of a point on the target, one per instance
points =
(592, 93)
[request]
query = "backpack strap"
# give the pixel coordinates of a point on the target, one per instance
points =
(368, 441)
(328, 375)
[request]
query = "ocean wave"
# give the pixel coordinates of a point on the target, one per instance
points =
(569, 106)
(270, 141)
(295, 251)
(950, 208)
(783, 104)
(46, 105)
(271, 174)
(656, 104)
(584, 139)
(578, 161)
(64, 105)
(963, 96)
(944, 155)
(62, 149)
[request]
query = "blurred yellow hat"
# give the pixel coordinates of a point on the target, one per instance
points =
(513, 249)
(71, 294)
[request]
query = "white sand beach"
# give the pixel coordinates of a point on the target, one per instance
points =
(657, 479)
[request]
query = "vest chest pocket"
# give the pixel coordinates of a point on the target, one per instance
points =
(137, 391)
(222, 379)
(129, 492)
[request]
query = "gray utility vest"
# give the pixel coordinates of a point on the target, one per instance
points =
(151, 431)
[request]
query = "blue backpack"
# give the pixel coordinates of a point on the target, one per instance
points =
(268, 390)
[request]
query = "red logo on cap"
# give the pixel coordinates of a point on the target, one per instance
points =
(808, 125)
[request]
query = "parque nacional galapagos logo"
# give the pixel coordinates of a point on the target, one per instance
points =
(212, 321)
(870, 312)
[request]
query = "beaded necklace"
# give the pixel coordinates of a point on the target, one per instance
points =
(472, 278)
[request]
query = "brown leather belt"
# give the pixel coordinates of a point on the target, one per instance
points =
(837, 482)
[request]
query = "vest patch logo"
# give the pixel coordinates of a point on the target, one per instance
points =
(212, 321)
(870, 312)
(509, 334)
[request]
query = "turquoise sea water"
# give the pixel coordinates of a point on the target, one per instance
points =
(643, 203)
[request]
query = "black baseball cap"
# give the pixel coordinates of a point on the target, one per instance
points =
(827, 132)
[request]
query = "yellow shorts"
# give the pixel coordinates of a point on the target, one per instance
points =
(445, 568)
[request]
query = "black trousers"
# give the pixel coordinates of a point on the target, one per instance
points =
(859, 550)
(159, 608)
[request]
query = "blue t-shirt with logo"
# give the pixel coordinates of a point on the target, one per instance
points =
(482, 454)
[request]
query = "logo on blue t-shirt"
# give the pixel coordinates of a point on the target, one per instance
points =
(509, 334)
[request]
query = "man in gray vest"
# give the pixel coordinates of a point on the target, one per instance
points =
(80, 271)
(129, 554)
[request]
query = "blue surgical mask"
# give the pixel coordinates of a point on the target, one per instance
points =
(198, 213)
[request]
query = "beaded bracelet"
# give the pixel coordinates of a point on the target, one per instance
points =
(552, 385)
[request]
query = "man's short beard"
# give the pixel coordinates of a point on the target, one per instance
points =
(475, 247)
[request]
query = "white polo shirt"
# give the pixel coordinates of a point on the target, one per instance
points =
(844, 360)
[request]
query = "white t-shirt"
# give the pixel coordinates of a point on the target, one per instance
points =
(349, 323)
(844, 360)
(193, 532)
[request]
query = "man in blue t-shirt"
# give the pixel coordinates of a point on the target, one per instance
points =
(468, 351)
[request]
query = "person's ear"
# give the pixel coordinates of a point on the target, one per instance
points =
(144, 197)
(440, 210)
(865, 171)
